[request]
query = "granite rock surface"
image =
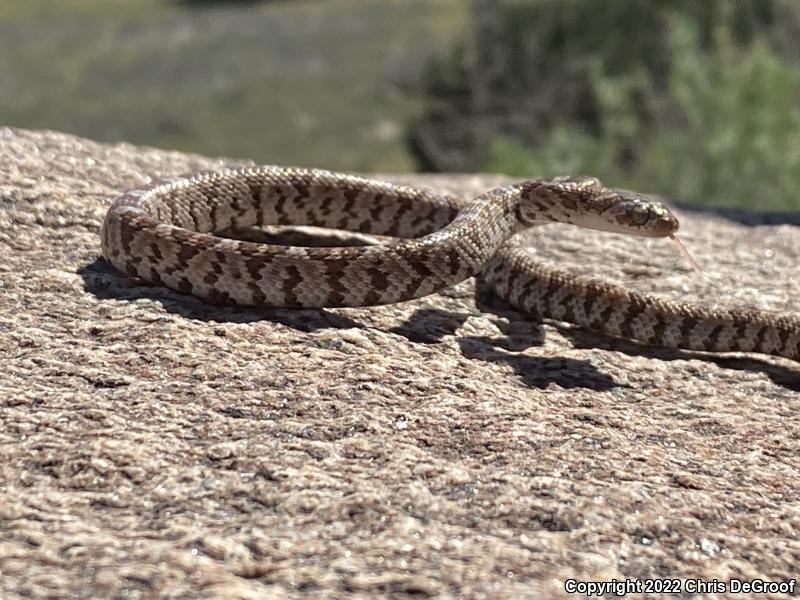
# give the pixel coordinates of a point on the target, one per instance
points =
(155, 446)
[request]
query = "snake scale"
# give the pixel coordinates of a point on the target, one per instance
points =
(164, 233)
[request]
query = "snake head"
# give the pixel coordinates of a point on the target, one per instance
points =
(586, 202)
(638, 214)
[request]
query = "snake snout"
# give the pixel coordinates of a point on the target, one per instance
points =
(665, 224)
(660, 221)
(645, 216)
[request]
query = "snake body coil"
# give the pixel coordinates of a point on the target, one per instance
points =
(164, 233)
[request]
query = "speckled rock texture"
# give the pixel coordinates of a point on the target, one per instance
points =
(152, 446)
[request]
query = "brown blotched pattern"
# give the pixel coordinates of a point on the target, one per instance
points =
(164, 233)
(612, 310)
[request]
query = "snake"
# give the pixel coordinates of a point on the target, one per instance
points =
(167, 232)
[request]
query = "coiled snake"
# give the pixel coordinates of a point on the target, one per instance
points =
(164, 233)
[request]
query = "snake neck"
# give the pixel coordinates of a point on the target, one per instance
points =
(447, 256)
(477, 232)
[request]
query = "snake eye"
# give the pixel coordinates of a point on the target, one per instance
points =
(639, 214)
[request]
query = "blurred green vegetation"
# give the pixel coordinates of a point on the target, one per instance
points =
(329, 83)
(695, 100)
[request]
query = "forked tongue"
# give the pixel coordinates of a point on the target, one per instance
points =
(691, 260)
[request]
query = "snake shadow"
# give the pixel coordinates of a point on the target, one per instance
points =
(538, 371)
(519, 332)
(424, 326)
(103, 281)
(786, 377)
(430, 326)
